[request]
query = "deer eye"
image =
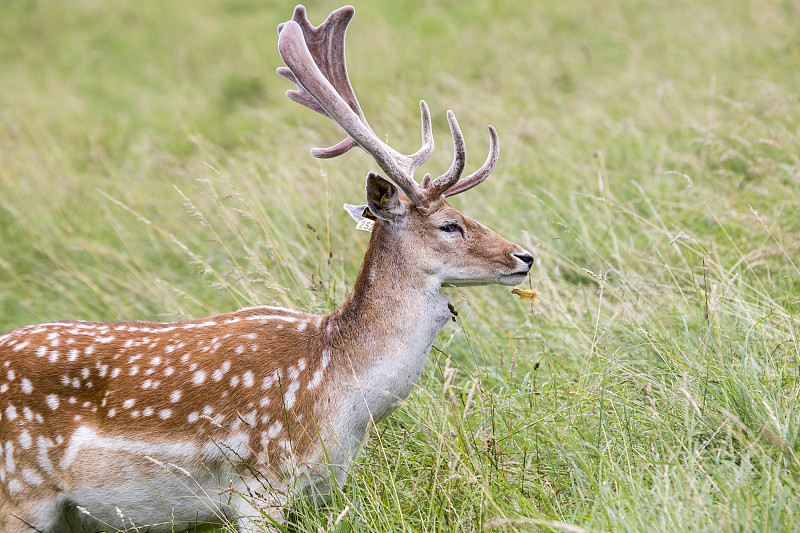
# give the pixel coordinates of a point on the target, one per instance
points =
(452, 227)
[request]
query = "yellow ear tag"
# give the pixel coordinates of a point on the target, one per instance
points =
(524, 294)
(384, 199)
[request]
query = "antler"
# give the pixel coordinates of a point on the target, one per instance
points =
(316, 65)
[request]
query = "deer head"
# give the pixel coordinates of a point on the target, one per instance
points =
(442, 241)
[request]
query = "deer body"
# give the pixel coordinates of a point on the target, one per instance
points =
(166, 425)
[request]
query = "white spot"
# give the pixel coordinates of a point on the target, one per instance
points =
(207, 410)
(193, 417)
(52, 401)
(148, 411)
(249, 418)
(11, 412)
(53, 356)
(264, 402)
(3, 387)
(169, 371)
(164, 414)
(155, 361)
(147, 383)
(84, 373)
(135, 413)
(31, 477)
(289, 397)
(10, 465)
(89, 350)
(274, 429)
(240, 349)
(199, 377)
(269, 380)
(247, 379)
(301, 326)
(326, 358)
(27, 388)
(175, 396)
(27, 413)
(11, 375)
(73, 355)
(234, 381)
(315, 380)
(226, 366)
(112, 413)
(134, 370)
(41, 351)
(293, 373)
(217, 375)
(20, 346)
(127, 404)
(25, 439)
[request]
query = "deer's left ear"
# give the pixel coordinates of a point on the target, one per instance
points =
(383, 198)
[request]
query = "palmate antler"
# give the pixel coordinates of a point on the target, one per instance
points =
(316, 64)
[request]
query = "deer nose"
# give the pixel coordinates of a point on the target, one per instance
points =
(526, 258)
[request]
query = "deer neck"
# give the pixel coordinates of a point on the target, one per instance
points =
(387, 326)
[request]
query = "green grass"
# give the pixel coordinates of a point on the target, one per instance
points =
(151, 168)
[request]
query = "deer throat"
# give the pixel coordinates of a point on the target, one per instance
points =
(389, 363)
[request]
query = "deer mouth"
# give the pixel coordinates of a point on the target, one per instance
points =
(512, 278)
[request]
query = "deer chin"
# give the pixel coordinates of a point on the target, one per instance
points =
(514, 278)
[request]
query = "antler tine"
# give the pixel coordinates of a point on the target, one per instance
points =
(420, 156)
(482, 173)
(315, 61)
(449, 178)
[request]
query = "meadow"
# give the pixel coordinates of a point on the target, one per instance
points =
(151, 168)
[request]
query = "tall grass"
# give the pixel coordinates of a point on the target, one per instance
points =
(151, 168)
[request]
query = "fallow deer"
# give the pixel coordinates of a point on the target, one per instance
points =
(164, 425)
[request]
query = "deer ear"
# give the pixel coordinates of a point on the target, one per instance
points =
(383, 198)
